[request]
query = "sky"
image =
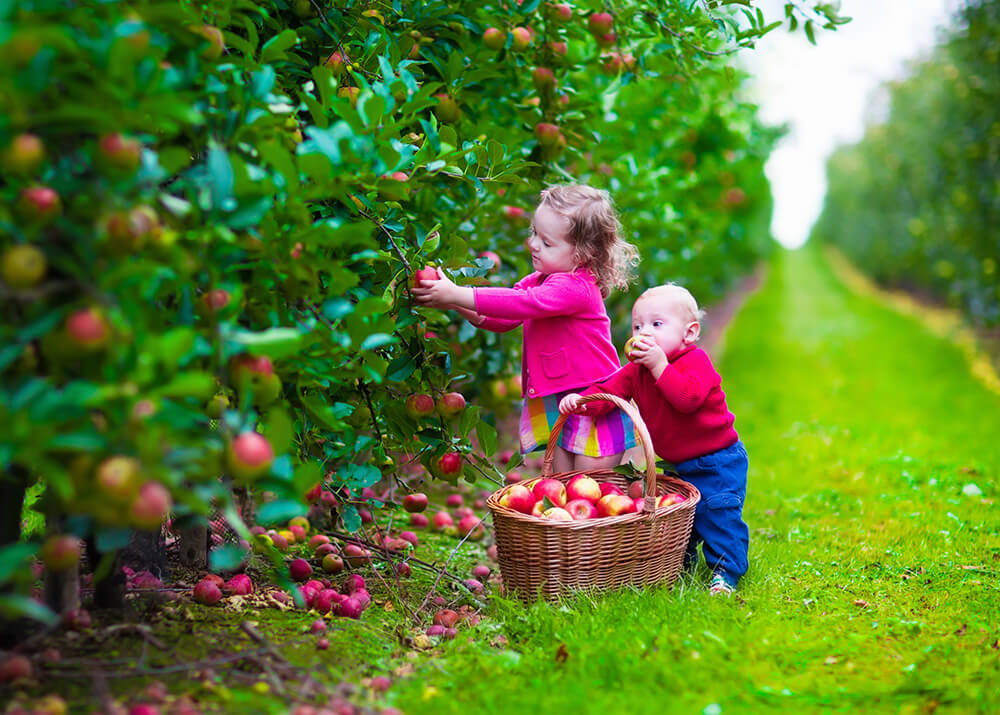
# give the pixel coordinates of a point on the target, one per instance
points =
(825, 93)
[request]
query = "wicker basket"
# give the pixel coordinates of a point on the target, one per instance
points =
(552, 558)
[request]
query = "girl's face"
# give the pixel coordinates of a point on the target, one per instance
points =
(551, 251)
(664, 322)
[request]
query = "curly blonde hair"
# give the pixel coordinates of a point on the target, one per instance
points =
(595, 232)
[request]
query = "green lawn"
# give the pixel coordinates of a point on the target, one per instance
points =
(873, 582)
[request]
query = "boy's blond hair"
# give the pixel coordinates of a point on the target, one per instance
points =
(595, 232)
(678, 297)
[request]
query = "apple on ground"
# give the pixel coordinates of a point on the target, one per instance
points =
(207, 592)
(581, 509)
(317, 540)
(418, 520)
(512, 477)
(583, 487)
(472, 527)
(453, 500)
(333, 564)
(441, 520)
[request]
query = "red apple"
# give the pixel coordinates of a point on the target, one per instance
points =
(453, 500)
(451, 404)
(318, 540)
(15, 667)
(512, 477)
(298, 532)
(215, 300)
(669, 500)
(415, 503)
(216, 42)
(351, 608)
(410, 537)
(609, 488)
(118, 478)
(521, 38)
(551, 488)
(472, 527)
(494, 38)
(207, 593)
(239, 585)
(514, 213)
(299, 570)
(39, 203)
(333, 564)
(119, 151)
(88, 329)
(442, 520)
(581, 509)
(249, 456)
(557, 514)
(583, 487)
(150, 507)
(538, 507)
(600, 23)
(77, 619)
(418, 520)
(450, 463)
(60, 552)
(323, 550)
(336, 63)
(519, 498)
(24, 155)
(356, 555)
(547, 134)
(429, 273)
(635, 489)
(544, 79)
(615, 504)
(418, 406)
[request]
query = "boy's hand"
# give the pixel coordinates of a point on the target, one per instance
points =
(440, 293)
(650, 355)
(571, 404)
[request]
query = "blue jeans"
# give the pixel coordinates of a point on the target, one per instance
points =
(721, 477)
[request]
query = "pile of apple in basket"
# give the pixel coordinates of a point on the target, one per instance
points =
(580, 498)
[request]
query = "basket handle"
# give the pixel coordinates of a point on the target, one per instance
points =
(649, 493)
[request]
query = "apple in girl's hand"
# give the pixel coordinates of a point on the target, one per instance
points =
(609, 488)
(615, 505)
(424, 274)
(551, 488)
(669, 499)
(583, 487)
(518, 498)
(581, 509)
(557, 514)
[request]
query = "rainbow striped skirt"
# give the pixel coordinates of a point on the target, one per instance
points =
(603, 436)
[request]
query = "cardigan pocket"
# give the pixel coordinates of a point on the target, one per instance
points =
(555, 364)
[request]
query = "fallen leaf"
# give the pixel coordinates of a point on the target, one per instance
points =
(860, 603)
(423, 642)
(561, 653)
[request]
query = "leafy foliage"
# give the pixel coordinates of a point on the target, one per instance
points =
(915, 203)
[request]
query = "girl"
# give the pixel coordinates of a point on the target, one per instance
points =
(578, 255)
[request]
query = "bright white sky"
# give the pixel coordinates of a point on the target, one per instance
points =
(824, 92)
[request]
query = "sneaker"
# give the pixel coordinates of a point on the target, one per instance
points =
(720, 586)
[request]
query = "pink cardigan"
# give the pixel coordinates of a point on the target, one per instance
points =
(567, 333)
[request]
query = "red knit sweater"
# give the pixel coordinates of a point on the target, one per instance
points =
(685, 410)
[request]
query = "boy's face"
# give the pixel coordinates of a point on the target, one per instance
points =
(551, 250)
(665, 322)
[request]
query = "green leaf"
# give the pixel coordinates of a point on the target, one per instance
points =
(274, 49)
(279, 429)
(401, 368)
(14, 606)
(351, 518)
(226, 557)
(487, 436)
(111, 538)
(275, 343)
(306, 475)
(220, 178)
(13, 557)
(378, 340)
(279, 512)
(200, 385)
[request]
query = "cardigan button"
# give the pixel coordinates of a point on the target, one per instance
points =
(532, 391)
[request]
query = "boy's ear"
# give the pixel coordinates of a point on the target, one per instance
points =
(693, 332)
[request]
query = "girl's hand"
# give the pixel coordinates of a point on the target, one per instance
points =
(571, 404)
(440, 293)
(647, 353)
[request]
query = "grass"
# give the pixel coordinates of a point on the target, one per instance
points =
(874, 578)
(873, 583)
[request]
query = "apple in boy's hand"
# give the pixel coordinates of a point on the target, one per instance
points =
(630, 346)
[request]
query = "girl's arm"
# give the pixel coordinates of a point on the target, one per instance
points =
(444, 294)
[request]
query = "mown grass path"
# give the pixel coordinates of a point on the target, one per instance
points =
(875, 566)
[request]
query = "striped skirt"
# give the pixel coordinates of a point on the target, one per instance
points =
(603, 436)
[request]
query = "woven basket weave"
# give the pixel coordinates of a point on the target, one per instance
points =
(551, 558)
